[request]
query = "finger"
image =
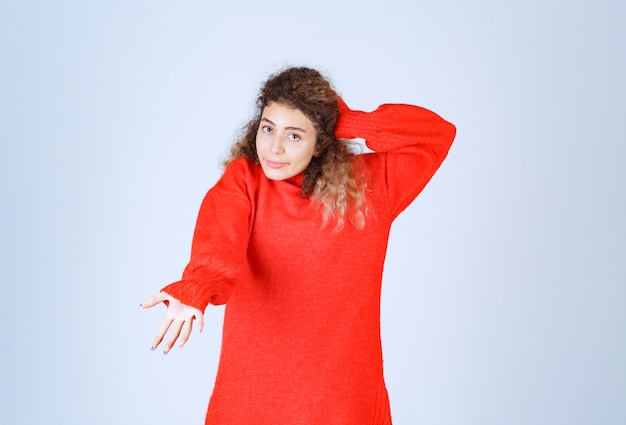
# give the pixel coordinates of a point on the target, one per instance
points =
(153, 300)
(165, 325)
(174, 336)
(200, 318)
(186, 332)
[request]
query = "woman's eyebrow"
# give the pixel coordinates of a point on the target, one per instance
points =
(288, 128)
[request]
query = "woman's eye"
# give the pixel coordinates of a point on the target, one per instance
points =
(294, 137)
(266, 129)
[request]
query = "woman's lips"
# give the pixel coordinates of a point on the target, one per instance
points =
(275, 164)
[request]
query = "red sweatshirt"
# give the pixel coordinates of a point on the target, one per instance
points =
(301, 339)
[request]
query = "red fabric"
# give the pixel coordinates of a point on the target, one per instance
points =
(301, 338)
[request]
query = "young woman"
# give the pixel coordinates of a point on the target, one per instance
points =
(292, 239)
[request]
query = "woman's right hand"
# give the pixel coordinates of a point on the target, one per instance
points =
(179, 315)
(348, 123)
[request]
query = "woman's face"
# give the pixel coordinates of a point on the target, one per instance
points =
(285, 141)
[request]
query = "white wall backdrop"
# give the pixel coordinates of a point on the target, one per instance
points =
(504, 294)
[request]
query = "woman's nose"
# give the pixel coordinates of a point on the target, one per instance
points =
(276, 146)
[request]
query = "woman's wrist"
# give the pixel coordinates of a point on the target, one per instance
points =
(351, 123)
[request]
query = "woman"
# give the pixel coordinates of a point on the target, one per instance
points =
(292, 239)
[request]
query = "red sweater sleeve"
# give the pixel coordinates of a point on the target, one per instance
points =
(219, 243)
(411, 143)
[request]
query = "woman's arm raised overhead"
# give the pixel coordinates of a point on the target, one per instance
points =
(411, 141)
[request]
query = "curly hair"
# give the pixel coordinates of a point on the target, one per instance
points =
(333, 179)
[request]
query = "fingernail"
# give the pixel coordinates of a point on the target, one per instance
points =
(165, 352)
(141, 305)
(152, 348)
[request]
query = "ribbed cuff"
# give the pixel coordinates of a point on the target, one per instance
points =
(352, 124)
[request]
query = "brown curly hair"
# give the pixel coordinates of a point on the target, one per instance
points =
(333, 179)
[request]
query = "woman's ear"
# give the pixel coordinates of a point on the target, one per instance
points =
(320, 146)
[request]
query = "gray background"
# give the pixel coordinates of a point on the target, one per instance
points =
(503, 299)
